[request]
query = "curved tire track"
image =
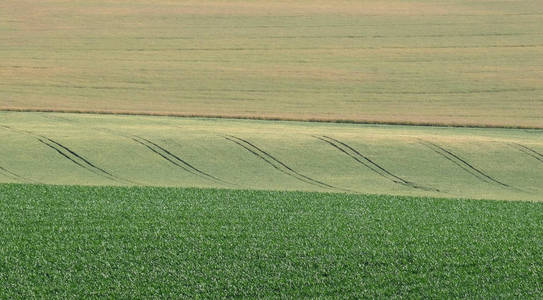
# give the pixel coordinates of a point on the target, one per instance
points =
(277, 164)
(462, 163)
(370, 164)
(528, 151)
(80, 160)
(15, 176)
(72, 156)
(176, 160)
(87, 162)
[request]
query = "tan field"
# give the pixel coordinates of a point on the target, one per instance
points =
(458, 62)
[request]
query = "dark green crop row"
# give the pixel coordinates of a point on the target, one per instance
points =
(58, 241)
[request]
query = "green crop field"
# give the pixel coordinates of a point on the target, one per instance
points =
(426, 61)
(271, 149)
(247, 154)
(88, 242)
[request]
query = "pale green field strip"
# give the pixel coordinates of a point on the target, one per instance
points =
(457, 62)
(81, 149)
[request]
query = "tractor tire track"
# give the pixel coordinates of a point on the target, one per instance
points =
(79, 160)
(15, 176)
(72, 156)
(162, 155)
(370, 164)
(459, 164)
(528, 151)
(185, 163)
(277, 164)
(462, 163)
(9, 173)
(176, 160)
(80, 157)
(18, 130)
(380, 170)
(61, 153)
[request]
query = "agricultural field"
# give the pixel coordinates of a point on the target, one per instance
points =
(271, 149)
(459, 62)
(119, 242)
(94, 149)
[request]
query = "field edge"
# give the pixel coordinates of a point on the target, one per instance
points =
(269, 118)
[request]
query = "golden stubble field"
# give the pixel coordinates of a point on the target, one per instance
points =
(411, 62)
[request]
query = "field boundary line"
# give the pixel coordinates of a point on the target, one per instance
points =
(271, 118)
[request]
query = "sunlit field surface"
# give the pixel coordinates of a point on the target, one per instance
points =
(457, 62)
(79, 149)
(117, 242)
(271, 149)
